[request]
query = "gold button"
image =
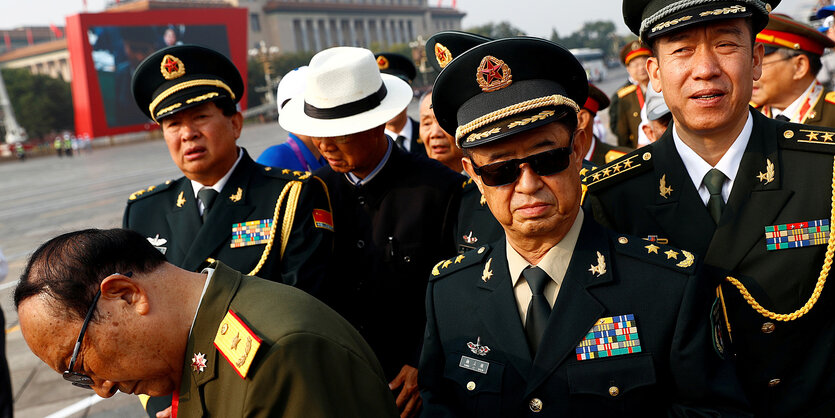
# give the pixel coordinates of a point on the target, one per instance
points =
(767, 328)
(788, 134)
(471, 385)
(646, 156)
(634, 114)
(481, 250)
(535, 404)
(623, 240)
(614, 391)
(773, 382)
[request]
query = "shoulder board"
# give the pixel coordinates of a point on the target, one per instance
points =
(587, 167)
(830, 97)
(806, 138)
(459, 262)
(626, 90)
(467, 182)
(286, 173)
(142, 193)
(613, 155)
(236, 342)
(625, 167)
(653, 252)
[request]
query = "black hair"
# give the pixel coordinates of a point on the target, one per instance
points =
(70, 267)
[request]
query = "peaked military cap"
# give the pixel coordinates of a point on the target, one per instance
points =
(396, 65)
(443, 47)
(507, 86)
(597, 100)
(632, 50)
(652, 18)
(784, 32)
(183, 76)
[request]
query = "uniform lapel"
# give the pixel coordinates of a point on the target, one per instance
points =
(183, 221)
(681, 214)
(575, 310)
(499, 314)
(217, 230)
(753, 203)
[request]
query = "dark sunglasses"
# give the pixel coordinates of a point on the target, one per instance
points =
(544, 164)
(79, 379)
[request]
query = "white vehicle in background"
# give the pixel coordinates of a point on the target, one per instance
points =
(593, 61)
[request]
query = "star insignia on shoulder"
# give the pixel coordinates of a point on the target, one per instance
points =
(459, 258)
(285, 171)
(652, 248)
(446, 263)
(671, 254)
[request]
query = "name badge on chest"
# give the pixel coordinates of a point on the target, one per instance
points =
(475, 365)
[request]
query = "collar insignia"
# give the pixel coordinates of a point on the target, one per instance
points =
(181, 200)
(198, 362)
(487, 273)
(477, 348)
(600, 268)
(665, 190)
(382, 63)
(493, 74)
(768, 176)
(442, 55)
(237, 196)
(171, 67)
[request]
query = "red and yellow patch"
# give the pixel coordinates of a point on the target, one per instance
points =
(323, 219)
(237, 343)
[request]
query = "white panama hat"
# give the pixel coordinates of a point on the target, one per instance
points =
(345, 94)
(291, 85)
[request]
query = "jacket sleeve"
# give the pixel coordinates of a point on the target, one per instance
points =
(431, 370)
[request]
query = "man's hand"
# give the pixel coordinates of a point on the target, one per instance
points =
(165, 413)
(408, 400)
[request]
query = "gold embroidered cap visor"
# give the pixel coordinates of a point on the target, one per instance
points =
(507, 86)
(183, 76)
(443, 47)
(650, 19)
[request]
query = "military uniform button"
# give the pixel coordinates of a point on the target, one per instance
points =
(361, 200)
(614, 391)
(767, 328)
(360, 244)
(634, 114)
(535, 404)
(623, 240)
(773, 382)
(470, 385)
(407, 259)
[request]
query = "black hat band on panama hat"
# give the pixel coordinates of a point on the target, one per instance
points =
(348, 109)
(653, 18)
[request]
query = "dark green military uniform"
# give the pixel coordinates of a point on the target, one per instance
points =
(784, 178)
(626, 108)
(824, 112)
(476, 224)
(168, 215)
(310, 361)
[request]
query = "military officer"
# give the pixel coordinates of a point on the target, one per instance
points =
(402, 128)
(788, 88)
(559, 317)
(227, 344)
(597, 151)
(263, 221)
(626, 103)
(751, 194)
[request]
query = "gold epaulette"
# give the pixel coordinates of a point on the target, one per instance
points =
(469, 258)
(237, 343)
(806, 138)
(466, 183)
(830, 97)
(626, 90)
(618, 170)
(613, 155)
(147, 192)
(659, 254)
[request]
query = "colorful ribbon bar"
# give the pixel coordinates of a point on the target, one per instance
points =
(251, 233)
(610, 336)
(797, 235)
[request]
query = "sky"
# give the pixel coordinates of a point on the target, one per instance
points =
(535, 17)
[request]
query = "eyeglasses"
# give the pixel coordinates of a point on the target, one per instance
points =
(780, 60)
(79, 379)
(543, 164)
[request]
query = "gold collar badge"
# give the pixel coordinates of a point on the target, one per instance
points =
(600, 268)
(382, 63)
(768, 176)
(487, 274)
(663, 188)
(493, 74)
(171, 67)
(237, 196)
(442, 55)
(181, 200)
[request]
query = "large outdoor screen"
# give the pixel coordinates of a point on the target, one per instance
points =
(106, 48)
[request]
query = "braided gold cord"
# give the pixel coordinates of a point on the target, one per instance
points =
(827, 264)
(269, 246)
(554, 100)
(289, 215)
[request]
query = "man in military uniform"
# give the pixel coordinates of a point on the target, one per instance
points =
(402, 128)
(788, 88)
(226, 344)
(273, 223)
(596, 151)
(625, 109)
(395, 210)
(514, 328)
(744, 191)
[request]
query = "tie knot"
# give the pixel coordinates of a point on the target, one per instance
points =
(537, 279)
(714, 179)
(207, 195)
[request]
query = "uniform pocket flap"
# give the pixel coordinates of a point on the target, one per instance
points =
(473, 374)
(611, 377)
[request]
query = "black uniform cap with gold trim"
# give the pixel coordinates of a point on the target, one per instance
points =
(652, 18)
(443, 47)
(396, 65)
(183, 76)
(507, 86)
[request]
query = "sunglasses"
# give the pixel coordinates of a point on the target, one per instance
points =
(79, 379)
(543, 164)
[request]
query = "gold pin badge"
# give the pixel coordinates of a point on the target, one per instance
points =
(171, 67)
(665, 190)
(600, 268)
(237, 196)
(768, 176)
(442, 55)
(487, 274)
(493, 74)
(181, 200)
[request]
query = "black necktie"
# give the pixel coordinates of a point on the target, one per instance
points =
(714, 179)
(401, 141)
(206, 195)
(782, 117)
(538, 309)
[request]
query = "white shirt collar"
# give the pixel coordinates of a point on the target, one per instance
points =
(209, 273)
(356, 181)
(793, 111)
(728, 164)
(555, 262)
(196, 186)
(406, 132)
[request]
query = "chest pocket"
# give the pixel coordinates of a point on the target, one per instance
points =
(462, 370)
(613, 377)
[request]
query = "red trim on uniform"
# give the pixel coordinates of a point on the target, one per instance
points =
(640, 52)
(175, 403)
(640, 94)
(789, 40)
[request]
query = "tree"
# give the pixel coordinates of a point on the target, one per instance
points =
(497, 30)
(41, 104)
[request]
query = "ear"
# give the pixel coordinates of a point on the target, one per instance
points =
(237, 124)
(468, 167)
(759, 53)
(120, 289)
(654, 72)
(801, 67)
(578, 148)
(648, 132)
(585, 120)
